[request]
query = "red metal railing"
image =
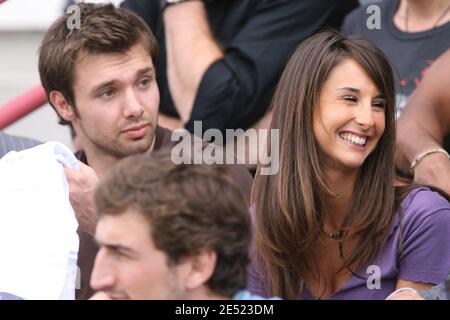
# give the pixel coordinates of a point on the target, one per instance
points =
(22, 105)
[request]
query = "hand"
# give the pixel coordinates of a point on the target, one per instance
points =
(434, 170)
(82, 183)
(405, 294)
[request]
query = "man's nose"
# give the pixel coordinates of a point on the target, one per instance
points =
(132, 108)
(102, 276)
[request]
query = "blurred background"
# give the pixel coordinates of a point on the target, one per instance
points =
(22, 26)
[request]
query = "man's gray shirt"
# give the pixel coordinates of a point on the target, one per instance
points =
(14, 143)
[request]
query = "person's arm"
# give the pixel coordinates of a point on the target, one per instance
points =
(424, 124)
(231, 87)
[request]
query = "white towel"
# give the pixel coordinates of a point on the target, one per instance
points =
(38, 239)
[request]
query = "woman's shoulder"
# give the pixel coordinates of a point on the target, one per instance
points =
(423, 203)
(424, 236)
(424, 197)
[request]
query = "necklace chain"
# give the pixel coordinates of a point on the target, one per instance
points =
(442, 15)
(336, 235)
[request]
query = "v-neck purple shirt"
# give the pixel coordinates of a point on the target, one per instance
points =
(426, 252)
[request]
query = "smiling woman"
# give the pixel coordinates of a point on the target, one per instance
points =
(331, 223)
(350, 117)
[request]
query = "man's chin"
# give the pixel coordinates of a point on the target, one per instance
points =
(117, 295)
(108, 295)
(135, 147)
(120, 298)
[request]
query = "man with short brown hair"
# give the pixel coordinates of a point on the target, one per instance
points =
(170, 231)
(100, 78)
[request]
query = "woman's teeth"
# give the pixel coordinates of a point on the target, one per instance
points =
(353, 139)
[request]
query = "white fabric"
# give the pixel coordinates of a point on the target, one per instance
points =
(38, 239)
(401, 290)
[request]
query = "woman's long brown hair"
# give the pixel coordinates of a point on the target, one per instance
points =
(288, 205)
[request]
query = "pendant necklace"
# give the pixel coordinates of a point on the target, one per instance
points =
(337, 236)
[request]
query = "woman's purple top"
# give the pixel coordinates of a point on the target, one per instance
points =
(426, 252)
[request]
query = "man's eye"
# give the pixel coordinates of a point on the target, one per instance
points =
(144, 82)
(117, 254)
(108, 93)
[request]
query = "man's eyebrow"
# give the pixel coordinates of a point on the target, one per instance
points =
(115, 247)
(145, 71)
(110, 83)
(104, 85)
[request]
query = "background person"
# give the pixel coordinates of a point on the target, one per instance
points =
(424, 129)
(14, 143)
(101, 80)
(412, 33)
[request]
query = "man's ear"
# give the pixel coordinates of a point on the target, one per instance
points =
(61, 105)
(202, 267)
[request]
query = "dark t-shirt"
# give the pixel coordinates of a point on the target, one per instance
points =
(411, 54)
(257, 37)
(88, 248)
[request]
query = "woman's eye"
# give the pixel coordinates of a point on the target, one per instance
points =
(350, 98)
(379, 105)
